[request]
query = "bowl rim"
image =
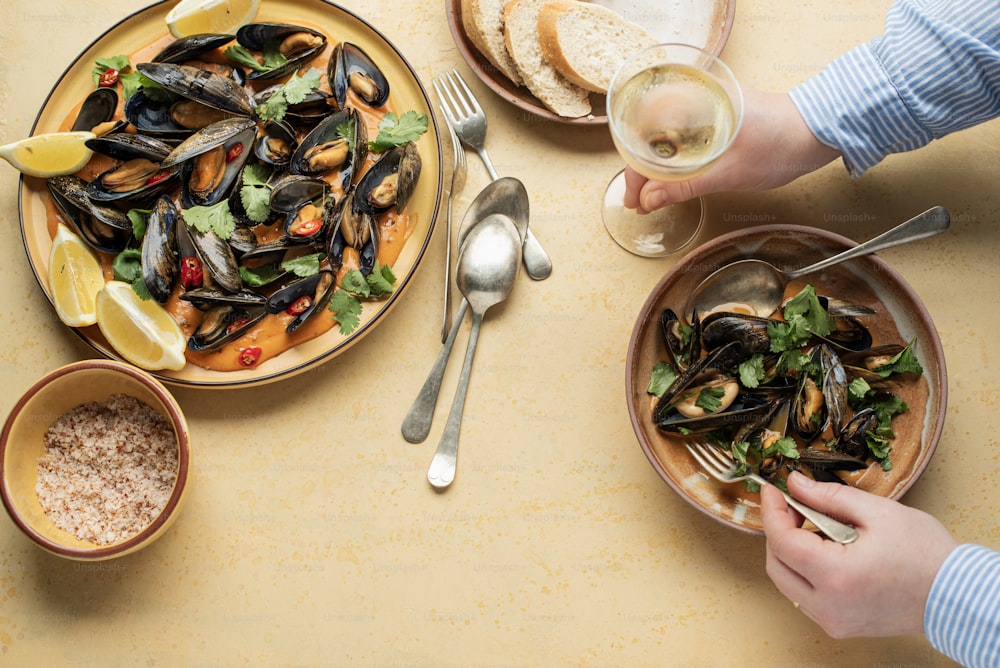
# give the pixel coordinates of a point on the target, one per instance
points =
(177, 421)
(921, 314)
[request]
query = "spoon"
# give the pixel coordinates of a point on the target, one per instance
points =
(487, 267)
(761, 285)
(504, 196)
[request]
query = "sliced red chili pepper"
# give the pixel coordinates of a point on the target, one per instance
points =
(250, 355)
(192, 274)
(299, 305)
(108, 78)
(235, 151)
(236, 324)
(307, 228)
(157, 177)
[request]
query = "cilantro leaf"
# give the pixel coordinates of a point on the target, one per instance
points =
(661, 378)
(356, 283)
(127, 267)
(804, 316)
(710, 398)
(305, 265)
(752, 371)
(857, 390)
(903, 362)
(258, 276)
(381, 280)
(784, 446)
(292, 91)
(138, 217)
(256, 175)
(241, 55)
(216, 218)
(347, 309)
(395, 131)
(255, 193)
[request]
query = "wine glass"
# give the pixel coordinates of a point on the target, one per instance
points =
(673, 110)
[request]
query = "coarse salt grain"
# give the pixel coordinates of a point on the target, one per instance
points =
(108, 469)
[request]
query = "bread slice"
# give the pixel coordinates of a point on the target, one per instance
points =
(483, 23)
(544, 82)
(586, 43)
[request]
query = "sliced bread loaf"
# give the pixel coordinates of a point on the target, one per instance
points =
(483, 23)
(586, 43)
(551, 88)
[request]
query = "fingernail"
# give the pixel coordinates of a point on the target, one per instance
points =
(803, 480)
(654, 200)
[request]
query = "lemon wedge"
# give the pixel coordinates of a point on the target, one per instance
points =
(75, 278)
(51, 154)
(190, 17)
(140, 330)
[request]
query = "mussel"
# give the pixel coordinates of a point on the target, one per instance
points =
(389, 183)
(222, 324)
(302, 298)
(159, 249)
(350, 68)
(296, 45)
(203, 86)
(820, 399)
(97, 110)
(212, 159)
(105, 228)
(139, 177)
(339, 143)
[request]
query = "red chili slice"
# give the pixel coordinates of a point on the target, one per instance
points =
(299, 305)
(250, 355)
(235, 151)
(236, 324)
(307, 228)
(108, 78)
(157, 177)
(192, 274)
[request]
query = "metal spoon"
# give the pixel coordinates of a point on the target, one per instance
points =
(485, 274)
(761, 285)
(505, 196)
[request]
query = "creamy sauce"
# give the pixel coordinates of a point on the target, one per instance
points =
(269, 334)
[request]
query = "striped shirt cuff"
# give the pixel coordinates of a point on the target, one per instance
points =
(852, 105)
(962, 616)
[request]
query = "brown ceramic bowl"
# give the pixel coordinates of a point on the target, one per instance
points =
(901, 317)
(697, 22)
(22, 445)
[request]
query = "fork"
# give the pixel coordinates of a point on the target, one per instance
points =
(457, 181)
(721, 466)
(468, 119)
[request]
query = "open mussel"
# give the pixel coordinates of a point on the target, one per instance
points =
(276, 143)
(105, 228)
(389, 183)
(302, 298)
(159, 249)
(214, 255)
(297, 45)
(350, 68)
(339, 143)
(140, 175)
(682, 342)
(853, 437)
(355, 228)
(705, 398)
(821, 397)
(212, 160)
(749, 332)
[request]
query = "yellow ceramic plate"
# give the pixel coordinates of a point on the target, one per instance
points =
(142, 35)
(704, 23)
(901, 317)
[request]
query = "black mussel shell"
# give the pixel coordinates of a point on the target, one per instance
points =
(222, 324)
(191, 47)
(99, 107)
(159, 249)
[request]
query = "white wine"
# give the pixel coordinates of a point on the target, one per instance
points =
(673, 121)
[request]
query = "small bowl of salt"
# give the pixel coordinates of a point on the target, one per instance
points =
(94, 460)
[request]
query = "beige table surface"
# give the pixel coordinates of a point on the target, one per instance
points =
(311, 537)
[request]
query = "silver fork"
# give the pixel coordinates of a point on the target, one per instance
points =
(721, 466)
(457, 181)
(467, 117)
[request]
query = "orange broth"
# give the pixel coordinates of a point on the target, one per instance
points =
(269, 334)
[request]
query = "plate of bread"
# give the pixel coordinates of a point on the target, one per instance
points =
(555, 58)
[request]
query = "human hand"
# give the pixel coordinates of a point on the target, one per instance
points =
(774, 147)
(875, 586)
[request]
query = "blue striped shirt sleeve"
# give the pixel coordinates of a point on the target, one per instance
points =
(933, 71)
(962, 615)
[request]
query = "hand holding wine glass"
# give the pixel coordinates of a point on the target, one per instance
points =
(673, 110)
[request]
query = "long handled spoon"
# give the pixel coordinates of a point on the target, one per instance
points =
(761, 285)
(487, 268)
